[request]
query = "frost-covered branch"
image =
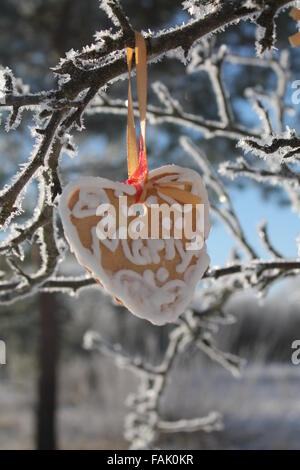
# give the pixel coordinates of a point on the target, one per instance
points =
(286, 148)
(22, 284)
(169, 114)
(264, 236)
(240, 167)
(145, 420)
(116, 13)
(226, 212)
(209, 423)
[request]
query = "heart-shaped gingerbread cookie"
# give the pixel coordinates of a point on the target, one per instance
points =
(154, 277)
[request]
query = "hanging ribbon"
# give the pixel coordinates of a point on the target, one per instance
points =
(140, 51)
(295, 38)
(137, 158)
(137, 161)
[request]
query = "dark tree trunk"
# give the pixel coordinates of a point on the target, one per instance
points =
(47, 385)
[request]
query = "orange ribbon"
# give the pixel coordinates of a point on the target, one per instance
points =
(140, 51)
(295, 38)
(137, 160)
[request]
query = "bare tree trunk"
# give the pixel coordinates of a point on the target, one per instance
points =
(47, 385)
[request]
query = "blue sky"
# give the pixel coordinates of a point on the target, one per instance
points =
(251, 208)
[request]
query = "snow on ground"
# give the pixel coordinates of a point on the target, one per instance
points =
(261, 410)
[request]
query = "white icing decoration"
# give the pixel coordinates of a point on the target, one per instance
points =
(140, 293)
(92, 200)
(162, 274)
(149, 277)
(166, 198)
(112, 244)
(155, 246)
(170, 249)
(185, 256)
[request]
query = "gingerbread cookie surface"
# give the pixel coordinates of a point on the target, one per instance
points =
(154, 278)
